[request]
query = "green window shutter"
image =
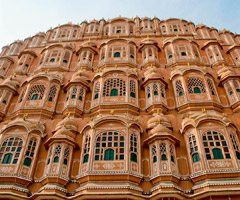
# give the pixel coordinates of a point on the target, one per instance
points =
(50, 99)
(196, 90)
(73, 96)
(238, 155)
(133, 157)
(155, 93)
(109, 154)
(117, 55)
(7, 158)
(85, 158)
(180, 94)
(35, 97)
(96, 96)
(56, 159)
(132, 94)
(217, 153)
(155, 159)
(149, 95)
(164, 157)
(172, 159)
(65, 161)
(27, 162)
(114, 92)
(80, 98)
(195, 157)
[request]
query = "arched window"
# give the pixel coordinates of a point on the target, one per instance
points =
(195, 85)
(148, 92)
(114, 83)
(132, 89)
(30, 152)
(154, 153)
(235, 145)
(96, 90)
(81, 94)
(22, 95)
(49, 155)
(109, 146)
(155, 89)
(210, 86)
(162, 89)
(66, 156)
(117, 55)
(133, 147)
(217, 153)
(193, 148)
(195, 157)
(172, 153)
(10, 150)
(109, 154)
(35, 97)
(74, 92)
(163, 151)
(114, 92)
(57, 153)
(183, 53)
(52, 93)
(214, 145)
(53, 56)
(179, 88)
(66, 57)
(196, 90)
(86, 149)
(36, 92)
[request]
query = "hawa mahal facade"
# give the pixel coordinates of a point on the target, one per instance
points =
(121, 109)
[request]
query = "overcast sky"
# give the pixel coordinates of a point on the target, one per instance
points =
(23, 18)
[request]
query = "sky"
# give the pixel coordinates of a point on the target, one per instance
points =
(20, 19)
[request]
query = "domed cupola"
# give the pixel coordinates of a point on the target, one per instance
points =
(161, 142)
(154, 85)
(76, 90)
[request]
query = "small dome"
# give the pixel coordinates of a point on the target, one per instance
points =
(160, 129)
(80, 76)
(68, 124)
(152, 73)
(157, 120)
(224, 72)
(12, 82)
(63, 132)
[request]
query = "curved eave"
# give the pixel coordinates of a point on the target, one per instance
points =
(32, 53)
(65, 88)
(143, 45)
(227, 78)
(87, 47)
(63, 139)
(236, 46)
(161, 136)
(154, 79)
(205, 45)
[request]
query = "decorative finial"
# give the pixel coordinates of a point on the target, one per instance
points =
(116, 66)
(46, 71)
(159, 121)
(118, 36)
(112, 112)
(158, 112)
(204, 110)
(223, 65)
(188, 64)
(25, 117)
(68, 115)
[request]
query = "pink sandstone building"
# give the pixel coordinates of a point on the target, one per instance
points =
(134, 109)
